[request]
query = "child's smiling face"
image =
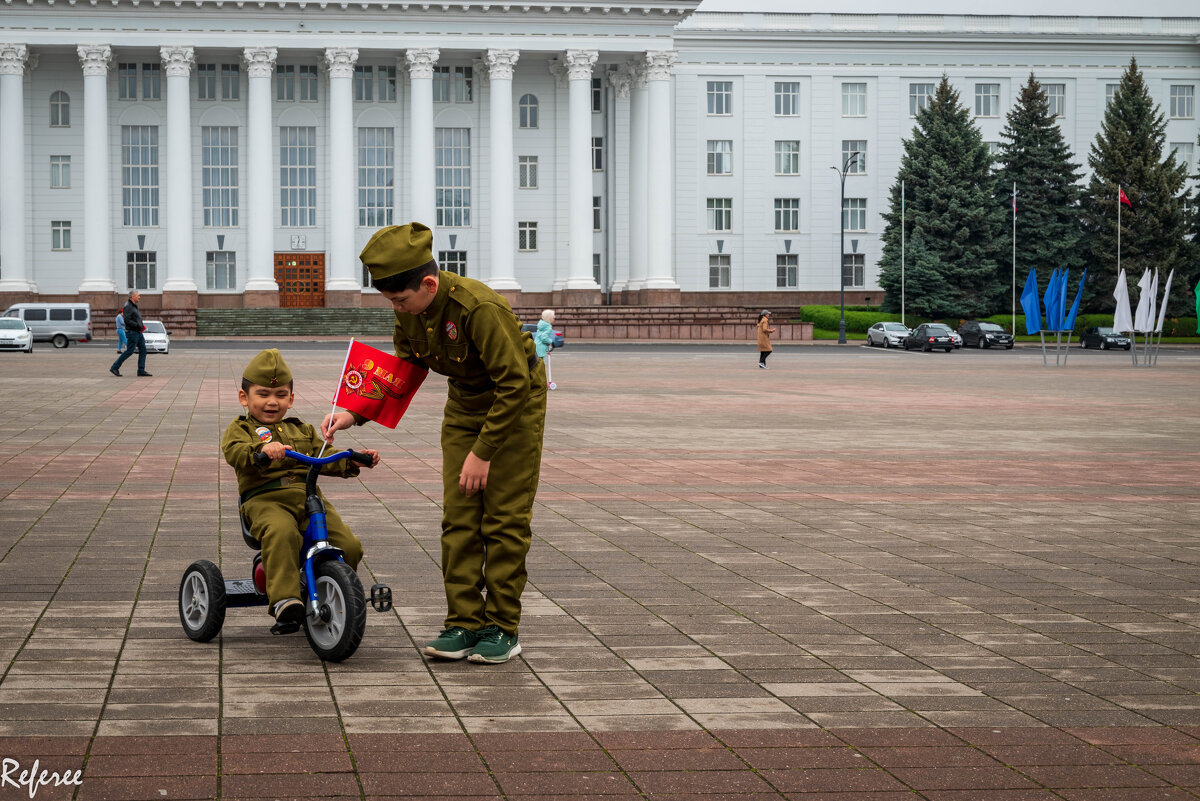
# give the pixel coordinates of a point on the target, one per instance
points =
(267, 404)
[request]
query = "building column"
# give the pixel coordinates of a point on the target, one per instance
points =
(420, 116)
(342, 286)
(260, 288)
(637, 177)
(98, 284)
(179, 290)
(661, 286)
(579, 174)
(14, 265)
(500, 65)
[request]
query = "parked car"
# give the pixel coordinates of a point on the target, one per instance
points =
(956, 338)
(929, 336)
(982, 334)
(887, 335)
(1103, 337)
(15, 335)
(59, 323)
(559, 339)
(157, 339)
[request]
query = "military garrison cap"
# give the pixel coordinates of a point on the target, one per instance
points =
(397, 249)
(268, 369)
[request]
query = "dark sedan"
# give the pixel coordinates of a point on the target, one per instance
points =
(1103, 337)
(930, 336)
(982, 334)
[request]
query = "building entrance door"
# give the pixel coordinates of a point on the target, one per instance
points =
(301, 279)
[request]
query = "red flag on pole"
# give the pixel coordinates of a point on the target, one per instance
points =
(377, 385)
(1123, 198)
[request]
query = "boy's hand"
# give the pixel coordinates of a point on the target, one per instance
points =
(374, 454)
(473, 477)
(275, 450)
(334, 423)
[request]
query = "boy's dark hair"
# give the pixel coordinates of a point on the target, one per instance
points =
(247, 383)
(406, 281)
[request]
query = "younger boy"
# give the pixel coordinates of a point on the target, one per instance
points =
(273, 496)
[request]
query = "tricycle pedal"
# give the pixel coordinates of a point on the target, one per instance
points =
(381, 597)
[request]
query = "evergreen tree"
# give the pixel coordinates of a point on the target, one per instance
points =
(1036, 158)
(950, 190)
(1128, 154)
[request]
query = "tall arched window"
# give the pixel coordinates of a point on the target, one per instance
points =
(60, 110)
(529, 111)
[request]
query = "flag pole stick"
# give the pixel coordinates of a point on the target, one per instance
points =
(1057, 346)
(336, 391)
(1067, 352)
(902, 223)
(1043, 336)
(1014, 259)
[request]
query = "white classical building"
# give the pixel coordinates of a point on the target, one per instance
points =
(225, 153)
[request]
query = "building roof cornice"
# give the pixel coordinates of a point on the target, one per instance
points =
(665, 8)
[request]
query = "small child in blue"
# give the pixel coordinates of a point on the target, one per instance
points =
(543, 338)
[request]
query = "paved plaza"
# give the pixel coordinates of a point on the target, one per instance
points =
(858, 575)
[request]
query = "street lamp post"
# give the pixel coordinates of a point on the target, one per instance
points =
(853, 157)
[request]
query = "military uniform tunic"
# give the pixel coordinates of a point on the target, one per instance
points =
(276, 515)
(495, 408)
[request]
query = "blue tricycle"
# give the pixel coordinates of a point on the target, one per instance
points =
(336, 608)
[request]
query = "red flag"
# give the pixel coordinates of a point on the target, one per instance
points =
(377, 385)
(1124, 199)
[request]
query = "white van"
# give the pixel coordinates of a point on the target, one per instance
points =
(59, 323)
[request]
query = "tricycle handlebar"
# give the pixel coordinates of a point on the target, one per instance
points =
(262, 460)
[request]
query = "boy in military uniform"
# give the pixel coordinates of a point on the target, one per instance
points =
(491, 435)
(273, 496)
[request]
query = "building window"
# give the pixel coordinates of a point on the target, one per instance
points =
(1110, 91)
(285, 82)
(231, 81)
(387, 84)
(1183, 154)
(787, 98)
(718, 271)
(206, 81)
(720, 214)
(987, 100)
(527, 172)
(141, 269)
(854, 214)
(597, 153)
(306, 80)
(787, 270)
(219, 175)
(597, 207)
(462, 84)
(596, 268)
(597, 94)
(858, 164)
(60, 234)
(787, 214)
(298, 176)
(376, 176)
(993, 149)
(528, 111)
(60, 110)
(151, 81)
(453, 261)
(1056, 98)
(919, 96)
(526, 236)
(853, 269)
(854, 100)
(720, 156)
(1183, 102)
(364, 84)
(126, 81)
(60, 172)
(221, 268)
(452, 82)
(720, 98)
(787, 156)
(139, 175)
(452, 163)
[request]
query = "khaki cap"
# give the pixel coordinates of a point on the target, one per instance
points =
(268, 369)
(397, 249)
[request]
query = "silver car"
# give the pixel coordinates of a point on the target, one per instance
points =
(15, 335)
(157, 340)
(887, 335)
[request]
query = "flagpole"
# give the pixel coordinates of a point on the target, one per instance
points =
(1042, 333)
(338, 390)
(1014, 260)
(902, 223)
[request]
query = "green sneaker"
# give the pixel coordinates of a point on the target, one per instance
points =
(453, 643)
(494, 646)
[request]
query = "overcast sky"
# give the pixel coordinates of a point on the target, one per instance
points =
(1114, 8)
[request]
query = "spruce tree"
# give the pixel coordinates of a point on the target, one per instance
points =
(950, 191)
(1035, 156)
(1128, 154)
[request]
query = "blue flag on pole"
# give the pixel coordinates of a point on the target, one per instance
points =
(1029, 302)
(1050, 301)
(1069, 323)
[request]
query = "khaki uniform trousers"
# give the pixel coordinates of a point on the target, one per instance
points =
(276, 519)
(486, 537)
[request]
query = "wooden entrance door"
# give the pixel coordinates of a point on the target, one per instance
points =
(301, 279)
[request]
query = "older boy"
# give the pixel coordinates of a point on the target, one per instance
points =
(491, 435)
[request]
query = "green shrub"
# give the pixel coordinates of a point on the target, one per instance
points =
(858, 319)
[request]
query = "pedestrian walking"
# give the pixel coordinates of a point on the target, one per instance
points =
(133, 333)
(764, 338)
(121, 340)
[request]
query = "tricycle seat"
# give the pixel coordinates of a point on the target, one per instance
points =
(250, 539)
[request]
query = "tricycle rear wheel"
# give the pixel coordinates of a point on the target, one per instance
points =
(337, 633)
(202, 600)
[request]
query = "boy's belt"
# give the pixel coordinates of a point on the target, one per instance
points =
(278, 483)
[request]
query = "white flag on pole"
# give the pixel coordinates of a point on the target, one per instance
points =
(1141, 317)
(1162, 310)
(1122, 321)
(1152, 315)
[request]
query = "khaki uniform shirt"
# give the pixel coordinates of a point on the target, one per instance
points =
(246, 436)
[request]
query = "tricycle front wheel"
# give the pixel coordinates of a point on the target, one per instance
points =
(202, 600)
(336, 634)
